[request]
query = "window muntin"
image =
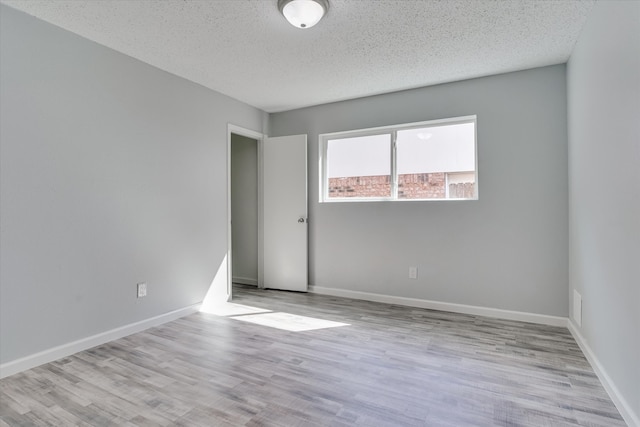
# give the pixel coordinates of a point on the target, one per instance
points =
(421, 161)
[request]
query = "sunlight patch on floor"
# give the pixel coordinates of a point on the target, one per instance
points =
(289, 322)
(264, 317)
(229, 309)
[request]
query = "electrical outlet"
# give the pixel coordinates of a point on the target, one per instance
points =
(413, 272)
(142, 290)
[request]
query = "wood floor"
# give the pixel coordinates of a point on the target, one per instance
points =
(391, 366)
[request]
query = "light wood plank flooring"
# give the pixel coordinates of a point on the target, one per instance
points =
(391, 366)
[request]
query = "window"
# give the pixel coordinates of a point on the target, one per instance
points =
(420, 161)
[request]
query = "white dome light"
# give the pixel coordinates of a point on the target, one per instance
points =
(303, 13)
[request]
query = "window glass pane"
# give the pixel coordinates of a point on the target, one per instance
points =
(436, 162)
(359, 167)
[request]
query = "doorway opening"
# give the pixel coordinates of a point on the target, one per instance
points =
(244, 208)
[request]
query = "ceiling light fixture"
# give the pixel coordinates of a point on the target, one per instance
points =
(303, 13)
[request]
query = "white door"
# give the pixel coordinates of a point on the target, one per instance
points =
(285, 213)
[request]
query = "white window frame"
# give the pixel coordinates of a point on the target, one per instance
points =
(391, 130)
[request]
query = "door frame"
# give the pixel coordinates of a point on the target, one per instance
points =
(259, 137)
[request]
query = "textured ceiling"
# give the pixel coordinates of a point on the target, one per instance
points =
(247, 50)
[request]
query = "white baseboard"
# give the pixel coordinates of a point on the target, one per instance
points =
(245, 280)
(64, 350)
(444, 306)
(630, 417)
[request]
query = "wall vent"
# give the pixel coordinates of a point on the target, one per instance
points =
(577, 308)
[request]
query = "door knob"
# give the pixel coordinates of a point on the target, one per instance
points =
(301, 219)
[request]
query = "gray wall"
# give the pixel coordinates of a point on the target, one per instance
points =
(604, 177)
(112, 172)
(508, 250)
(244, 209)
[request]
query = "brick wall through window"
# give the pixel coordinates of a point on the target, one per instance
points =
(410, 186)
